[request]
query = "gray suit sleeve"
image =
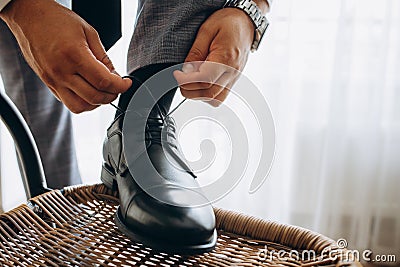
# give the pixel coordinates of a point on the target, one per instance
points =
(165, 30)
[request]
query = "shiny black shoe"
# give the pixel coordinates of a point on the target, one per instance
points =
(163, 226)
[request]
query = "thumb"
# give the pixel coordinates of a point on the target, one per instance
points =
(201, 45)
(97, 48)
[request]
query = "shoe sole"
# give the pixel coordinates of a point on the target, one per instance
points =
(108, 179)
(161, 245)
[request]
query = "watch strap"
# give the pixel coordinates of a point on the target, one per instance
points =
(250, 7)
(253, 11)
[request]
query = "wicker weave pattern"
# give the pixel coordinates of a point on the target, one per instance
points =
(76, 228)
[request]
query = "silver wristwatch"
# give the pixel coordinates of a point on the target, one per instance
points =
(253, 11)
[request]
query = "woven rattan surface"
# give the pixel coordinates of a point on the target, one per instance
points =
(75, 228)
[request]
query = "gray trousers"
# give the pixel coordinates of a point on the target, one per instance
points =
(48, 119)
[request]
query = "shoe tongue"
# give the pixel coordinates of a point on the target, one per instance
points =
(158, 112)
(164, 104)
(162, 107)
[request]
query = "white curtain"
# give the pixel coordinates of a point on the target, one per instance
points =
(329, 70)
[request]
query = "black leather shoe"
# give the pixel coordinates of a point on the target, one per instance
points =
(143, 218)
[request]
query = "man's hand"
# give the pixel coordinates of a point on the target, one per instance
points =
(65, 52)
(226, 38)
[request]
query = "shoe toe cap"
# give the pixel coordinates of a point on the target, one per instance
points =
(172, 214)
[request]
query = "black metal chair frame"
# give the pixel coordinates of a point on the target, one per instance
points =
(32, 173)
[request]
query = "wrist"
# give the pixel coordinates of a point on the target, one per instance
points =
(17, 10)
(254, 12)
(22, 11)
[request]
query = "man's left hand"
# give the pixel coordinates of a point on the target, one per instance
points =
(226, 38)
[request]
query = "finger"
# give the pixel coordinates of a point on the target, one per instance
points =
(200, 48)
(225, 92)
(108, 63)
(73, 102)
(88, 93)
(227, 53)
(97, 48)
(99, 76)
(219, 99)
(54, 92)
(205, 78)
(94, 67)
(191, 66)
(210, 93)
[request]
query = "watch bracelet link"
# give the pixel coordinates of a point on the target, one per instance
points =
(253, 11)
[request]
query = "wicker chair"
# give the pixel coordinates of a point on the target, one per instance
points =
(74, 227)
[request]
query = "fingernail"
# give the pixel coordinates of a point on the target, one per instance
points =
(188, 68)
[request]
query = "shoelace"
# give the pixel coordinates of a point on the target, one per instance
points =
(155, 125)
(154, 131)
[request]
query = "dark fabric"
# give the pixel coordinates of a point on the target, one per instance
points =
(104, 16)
(141, 75)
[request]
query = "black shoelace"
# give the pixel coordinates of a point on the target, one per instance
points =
(155, 125)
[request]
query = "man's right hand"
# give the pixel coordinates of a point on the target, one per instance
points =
(65, 52)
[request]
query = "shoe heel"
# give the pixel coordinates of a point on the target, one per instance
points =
(108, 177)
